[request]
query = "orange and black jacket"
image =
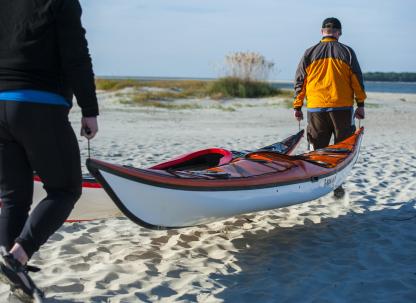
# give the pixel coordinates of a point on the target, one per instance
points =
(329, 76)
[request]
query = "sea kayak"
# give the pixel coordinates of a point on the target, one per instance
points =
(185, 196)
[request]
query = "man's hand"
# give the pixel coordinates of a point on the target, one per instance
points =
(359, 113)
(298, 114)
(89, 127)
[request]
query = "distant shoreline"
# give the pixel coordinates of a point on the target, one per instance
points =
(390, 77)
(284, 85)
(149, 78)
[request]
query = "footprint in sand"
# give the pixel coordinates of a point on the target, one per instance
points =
(163, 291)
(80, 267)
(132, 258)
(73, 288)
(161, 240)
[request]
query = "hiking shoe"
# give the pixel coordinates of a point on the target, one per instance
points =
(13, 273)
(339, 192)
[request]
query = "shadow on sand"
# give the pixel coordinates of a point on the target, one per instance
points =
(368, 257)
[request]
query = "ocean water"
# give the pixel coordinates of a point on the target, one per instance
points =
(391, 87)
(370, 86)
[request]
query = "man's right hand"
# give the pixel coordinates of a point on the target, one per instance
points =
(359, 113)
(298, 114)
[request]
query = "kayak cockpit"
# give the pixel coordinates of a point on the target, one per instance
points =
(199, 160)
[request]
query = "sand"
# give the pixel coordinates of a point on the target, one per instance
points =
(358, 249)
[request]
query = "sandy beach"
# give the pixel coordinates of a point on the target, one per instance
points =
(358, 249)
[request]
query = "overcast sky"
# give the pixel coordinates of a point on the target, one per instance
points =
(189, 38)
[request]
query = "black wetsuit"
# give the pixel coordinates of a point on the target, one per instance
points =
(42, 49)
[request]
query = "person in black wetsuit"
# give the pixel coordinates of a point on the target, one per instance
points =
(44, 60)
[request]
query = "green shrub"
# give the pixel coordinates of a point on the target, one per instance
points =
(229, 87)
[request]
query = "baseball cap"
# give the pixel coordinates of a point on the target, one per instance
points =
(331, 23)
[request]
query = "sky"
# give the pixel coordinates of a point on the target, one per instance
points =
(190, 38)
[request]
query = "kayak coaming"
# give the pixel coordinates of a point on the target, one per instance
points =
(226, 157)
(156, 201)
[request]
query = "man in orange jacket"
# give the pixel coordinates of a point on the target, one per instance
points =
(330, 79)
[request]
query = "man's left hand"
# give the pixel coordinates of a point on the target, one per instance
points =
(359, 113)
(297, 113)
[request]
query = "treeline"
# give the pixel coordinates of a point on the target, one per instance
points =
(395, 77)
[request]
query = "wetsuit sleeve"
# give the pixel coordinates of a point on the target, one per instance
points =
(357, 80)
(75, 58)
(300, 83)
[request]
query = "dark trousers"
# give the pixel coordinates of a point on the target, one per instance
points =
(322, 125)
(36, 137)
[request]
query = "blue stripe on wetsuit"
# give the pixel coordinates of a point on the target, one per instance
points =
(328, 109)
(33, 96)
